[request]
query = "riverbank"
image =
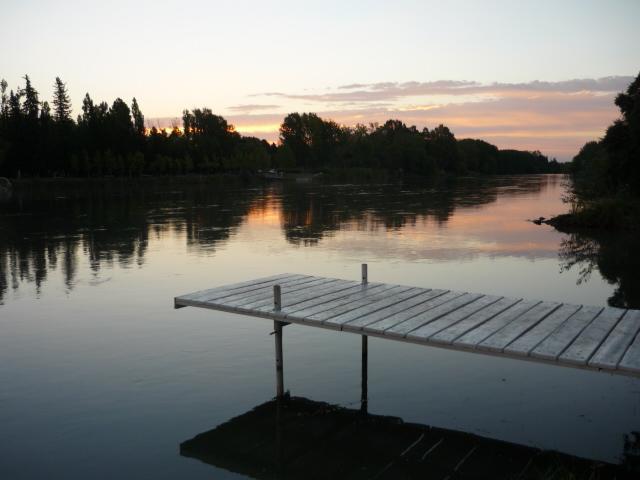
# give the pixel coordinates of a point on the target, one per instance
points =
(605, 213)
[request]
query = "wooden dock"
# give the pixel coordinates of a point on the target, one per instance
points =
(590, 337)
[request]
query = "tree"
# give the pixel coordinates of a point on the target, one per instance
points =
(45, 113)
(4, 100)
(87, 109)
(293, 134)
(15, 109)
(138, 118)
(442, 146)
(120, 128)
(31, 104)
(61, 102)
(611, 167)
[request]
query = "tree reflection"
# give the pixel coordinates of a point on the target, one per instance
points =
(614, 256)
(71, 226)
(53, 226)
(310, 215)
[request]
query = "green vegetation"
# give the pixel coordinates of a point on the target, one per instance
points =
(111, 140)
(606, 173)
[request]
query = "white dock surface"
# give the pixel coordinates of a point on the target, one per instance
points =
(598, 338)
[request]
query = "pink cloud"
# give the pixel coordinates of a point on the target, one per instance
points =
(556, 118)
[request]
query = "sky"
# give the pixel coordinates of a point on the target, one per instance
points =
(535, 75)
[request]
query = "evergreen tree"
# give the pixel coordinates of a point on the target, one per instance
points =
(45, 112)
(87, 109)
(138, 118)
(61, 102)
(31, 104)
(4, 100)
(15, 110)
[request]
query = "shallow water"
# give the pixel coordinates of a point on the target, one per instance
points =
(101, 378)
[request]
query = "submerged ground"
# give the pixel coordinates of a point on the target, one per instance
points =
(100, 375)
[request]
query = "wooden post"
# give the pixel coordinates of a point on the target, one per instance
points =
(277, 298)
(365, 277)
(365, 360)
(277, 327)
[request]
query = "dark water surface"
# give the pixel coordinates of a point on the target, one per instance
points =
(101, 378)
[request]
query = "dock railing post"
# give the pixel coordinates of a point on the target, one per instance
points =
(277, 327)
(365, 354)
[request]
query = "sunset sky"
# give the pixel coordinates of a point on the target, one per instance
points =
(538, 75)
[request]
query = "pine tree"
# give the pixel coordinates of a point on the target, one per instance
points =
(138, 118)
(87, 109)
(31, 104)
(61, 102)
(15, 110)
(45, 112)
(4, 100)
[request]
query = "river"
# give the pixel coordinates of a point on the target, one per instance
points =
(101, 378)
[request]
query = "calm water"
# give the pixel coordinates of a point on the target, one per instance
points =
(101, 378)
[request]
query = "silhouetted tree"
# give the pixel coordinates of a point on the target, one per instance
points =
(4, 100)
(138, 118)
(113, 140)
(61, 102)
(31, 103)
(611, 167)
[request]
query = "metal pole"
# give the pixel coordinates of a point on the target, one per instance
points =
(365, 361)
(277, 327)
(365, 276)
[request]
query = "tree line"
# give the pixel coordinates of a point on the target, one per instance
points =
(39, 139)
(606, 172)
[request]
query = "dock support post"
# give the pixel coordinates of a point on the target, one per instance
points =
(277, 327)
(365, 354)
(365, 360)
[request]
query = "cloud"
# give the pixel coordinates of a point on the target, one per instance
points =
(252, 107)
(556, 118)
(393, 91)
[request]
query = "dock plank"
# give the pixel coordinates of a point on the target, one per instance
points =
(266, 293)
(507, 334)
(373, 307)
(473, 337)
(542, 330)
(451, 333)
(631, 359)
(614, 347)
(325, 299)
(218, 292)
(258, 290)
(306, 294)
(591, 337)
(432, 328)
(395, 309)
(356, 303)
(556, 343)
(402, 329)
(393, 320)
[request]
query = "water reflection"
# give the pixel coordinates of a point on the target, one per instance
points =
(65, 227)
(302, 438)
(615, 256)
(52, 226)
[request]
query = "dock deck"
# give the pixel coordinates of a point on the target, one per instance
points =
(597, 338)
